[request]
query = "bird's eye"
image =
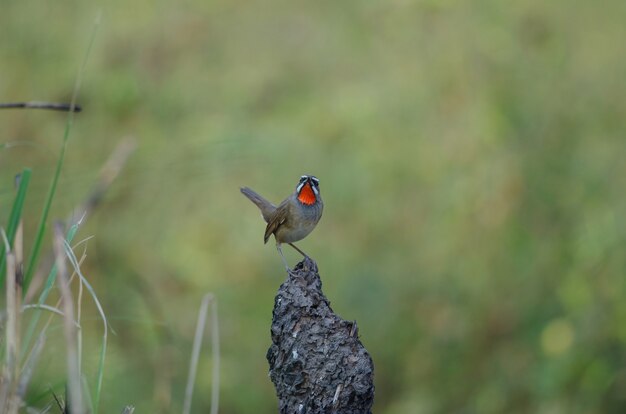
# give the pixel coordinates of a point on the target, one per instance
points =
(303, 178)
(315, 181)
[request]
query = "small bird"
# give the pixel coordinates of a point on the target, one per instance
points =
(295, 217)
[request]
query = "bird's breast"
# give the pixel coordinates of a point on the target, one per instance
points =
(301, 222)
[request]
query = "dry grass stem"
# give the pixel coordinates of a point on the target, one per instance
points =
(209, 298)
(29, 365)
(74, 387)
(53, 309)
(108, 173)
(8, 397)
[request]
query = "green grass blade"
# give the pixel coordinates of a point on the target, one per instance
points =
(34, 255)
(30, 331)
(41, 229)
(14, 218)
(18, 204)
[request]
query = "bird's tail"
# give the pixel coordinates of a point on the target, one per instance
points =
(265, 206)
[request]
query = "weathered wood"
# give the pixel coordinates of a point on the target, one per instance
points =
(317, 362)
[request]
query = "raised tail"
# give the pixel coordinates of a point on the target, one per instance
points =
(267, 208)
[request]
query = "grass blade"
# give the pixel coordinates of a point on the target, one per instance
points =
(41, 229)
(29, 366)
(74, 383)
(9, 371)
(14, 217)
(44, 294)
(209, 298)
(100, 374)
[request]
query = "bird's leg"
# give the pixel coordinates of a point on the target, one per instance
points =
(283, 257)
(300, 251)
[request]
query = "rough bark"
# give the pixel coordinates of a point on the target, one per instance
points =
(317, 362)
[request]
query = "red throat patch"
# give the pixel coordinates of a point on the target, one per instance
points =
(306, 196)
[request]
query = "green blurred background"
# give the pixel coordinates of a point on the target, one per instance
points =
(471, 158)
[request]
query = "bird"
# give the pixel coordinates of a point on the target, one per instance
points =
(294, 218)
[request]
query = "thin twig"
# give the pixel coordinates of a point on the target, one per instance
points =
(55, 106)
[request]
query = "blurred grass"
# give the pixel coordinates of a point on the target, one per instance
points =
(470, 158)
(14, 218)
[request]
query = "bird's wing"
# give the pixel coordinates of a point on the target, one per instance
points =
(278, 218)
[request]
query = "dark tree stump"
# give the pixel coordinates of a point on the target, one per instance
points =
(317, 363)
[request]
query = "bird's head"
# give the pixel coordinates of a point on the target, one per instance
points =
(308, 189)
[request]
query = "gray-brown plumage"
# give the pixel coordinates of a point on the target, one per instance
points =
(295, 217)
